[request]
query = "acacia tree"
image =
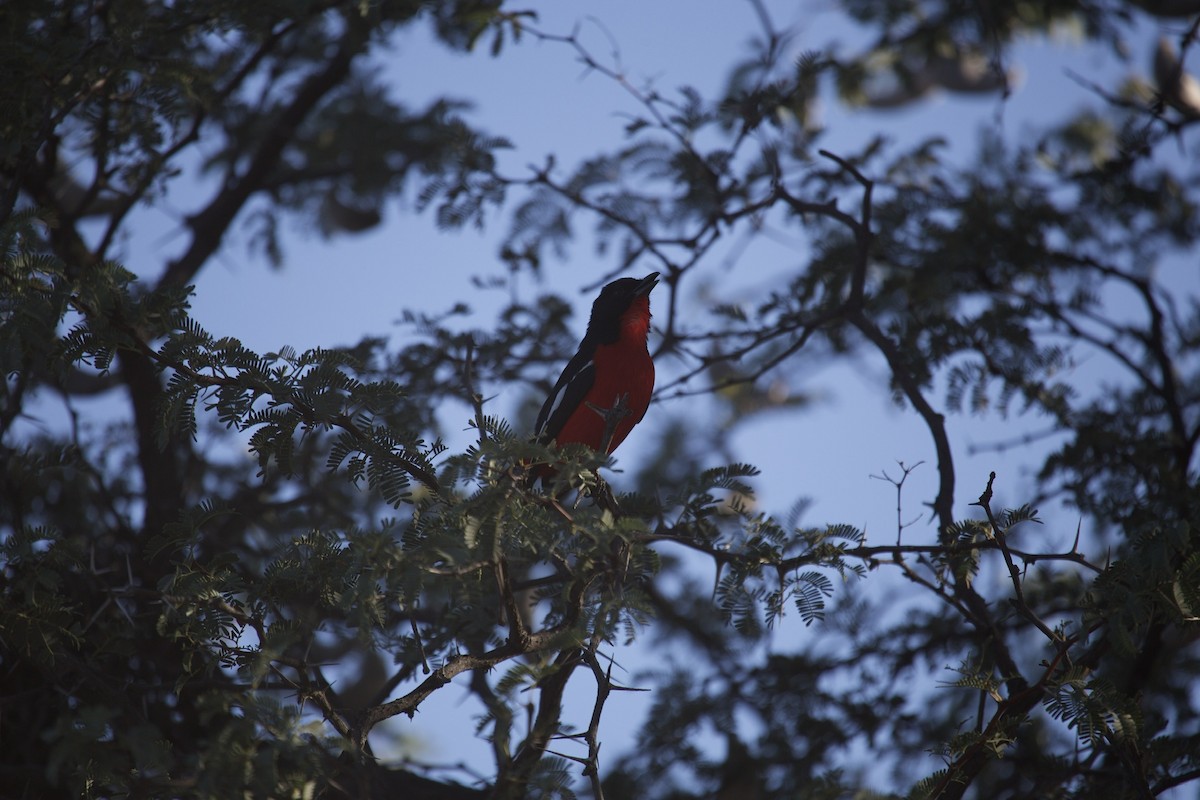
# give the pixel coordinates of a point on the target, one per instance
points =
(173, 615)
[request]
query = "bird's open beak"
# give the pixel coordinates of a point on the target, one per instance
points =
(646, 284)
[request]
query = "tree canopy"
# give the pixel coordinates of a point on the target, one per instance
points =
(224, 572)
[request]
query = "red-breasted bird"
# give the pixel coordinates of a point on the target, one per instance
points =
(612, 361)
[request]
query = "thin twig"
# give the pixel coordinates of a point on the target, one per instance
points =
(899, 484)
(985, 502)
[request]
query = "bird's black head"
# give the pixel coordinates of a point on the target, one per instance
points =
(614, 300)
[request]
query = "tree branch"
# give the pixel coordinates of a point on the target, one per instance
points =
(985, 502)
(209, 225)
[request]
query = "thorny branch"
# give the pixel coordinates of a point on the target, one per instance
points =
(520, 642)
(604, 687)
(612, 418)
(999, 534)
(870, 554)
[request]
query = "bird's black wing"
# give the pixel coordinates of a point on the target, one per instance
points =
(572, 386)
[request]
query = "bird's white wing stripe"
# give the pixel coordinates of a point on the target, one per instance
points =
(560, 395)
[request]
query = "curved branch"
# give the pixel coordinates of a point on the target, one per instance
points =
(512, 783)
(209, 225)
(131, 198)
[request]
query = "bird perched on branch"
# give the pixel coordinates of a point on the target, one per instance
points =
(605, 389)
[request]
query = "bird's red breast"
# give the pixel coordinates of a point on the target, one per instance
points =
(622, 368)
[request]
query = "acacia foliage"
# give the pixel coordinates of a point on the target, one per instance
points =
(180, 620)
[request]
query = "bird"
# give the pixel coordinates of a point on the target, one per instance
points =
(611, 364)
